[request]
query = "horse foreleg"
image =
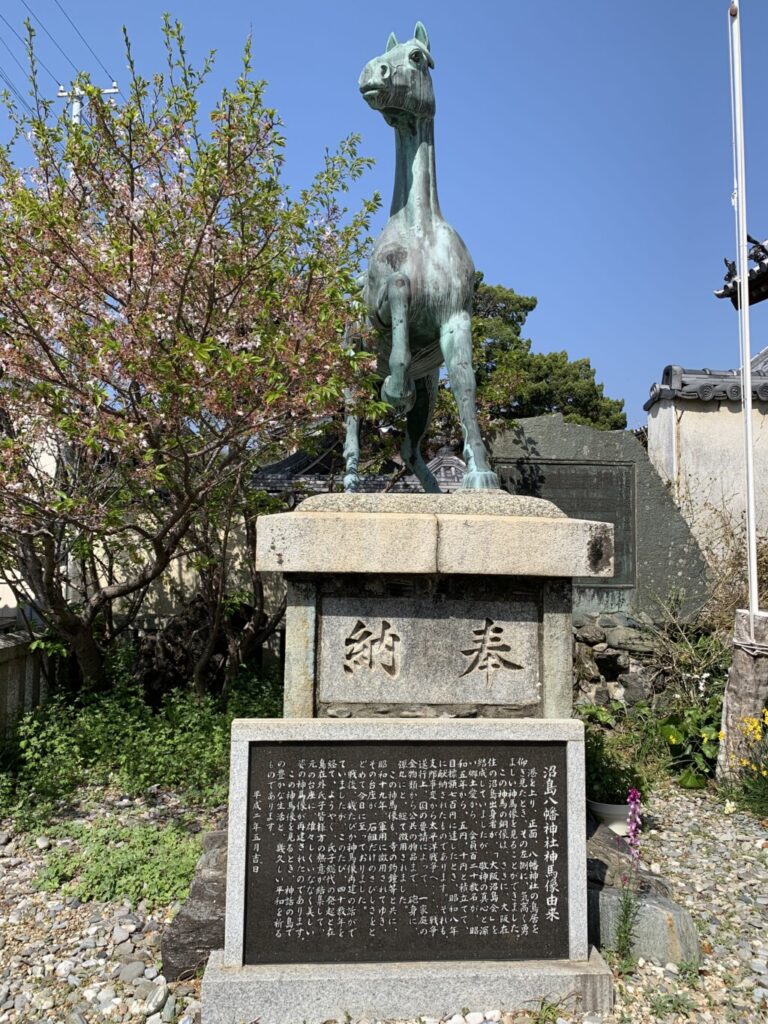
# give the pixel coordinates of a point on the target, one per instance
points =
(397, 389)
(351, 445)
(456, 346)
(416, 425)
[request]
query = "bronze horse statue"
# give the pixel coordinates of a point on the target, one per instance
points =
(419, 285)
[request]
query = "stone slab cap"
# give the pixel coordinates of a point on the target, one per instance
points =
(489, 730)
(488, 533)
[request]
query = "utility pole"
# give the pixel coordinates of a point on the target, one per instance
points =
(76, 96)
(740, 206)
(746, 692)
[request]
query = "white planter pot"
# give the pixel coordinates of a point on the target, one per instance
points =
(612, 815)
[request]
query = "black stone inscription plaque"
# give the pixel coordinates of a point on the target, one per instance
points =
(604, 492)
(382, 851)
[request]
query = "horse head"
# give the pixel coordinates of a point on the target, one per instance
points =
(398, 83)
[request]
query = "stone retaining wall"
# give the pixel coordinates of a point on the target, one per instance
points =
(611, 658)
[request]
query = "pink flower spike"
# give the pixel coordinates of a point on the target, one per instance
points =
(633, 824)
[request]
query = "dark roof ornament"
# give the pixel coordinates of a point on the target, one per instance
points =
(758, 275)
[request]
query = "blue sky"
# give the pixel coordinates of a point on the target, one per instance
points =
(583, 151)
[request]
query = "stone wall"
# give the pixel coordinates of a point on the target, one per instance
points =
(611, 658)
(606, 475)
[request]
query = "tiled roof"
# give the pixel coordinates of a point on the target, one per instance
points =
(302, 475)
(710, 385)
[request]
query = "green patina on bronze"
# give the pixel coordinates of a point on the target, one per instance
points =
(419, 284)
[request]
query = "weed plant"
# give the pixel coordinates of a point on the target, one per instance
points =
(670, 1004)
(624, 750)
(138, 862)
(677, 729)
(118, 739)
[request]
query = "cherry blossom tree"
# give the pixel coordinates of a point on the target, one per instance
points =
(169, 316)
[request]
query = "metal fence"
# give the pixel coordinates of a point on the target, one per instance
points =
(22, 678)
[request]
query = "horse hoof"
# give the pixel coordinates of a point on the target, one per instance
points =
(402, 400)
(480, 480)
(351, 483)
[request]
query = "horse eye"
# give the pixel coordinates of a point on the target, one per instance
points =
(416, 56)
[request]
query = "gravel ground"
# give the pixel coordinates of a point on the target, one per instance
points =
(79, 963)
(61, 961)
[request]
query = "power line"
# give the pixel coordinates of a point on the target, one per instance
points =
(24, 71)
(85, 41)
(23, 42)
(4, 77)
(55, 43)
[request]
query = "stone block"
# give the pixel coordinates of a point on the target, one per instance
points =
(589, 633)
(199, 925)
(493, 534)
(415, 646)
(584, 665)
(627, 639)
(447, 652)
(524, 546)
(663, 930)
(635, 687)
(608, 861)
(314, 993)
(346, 542)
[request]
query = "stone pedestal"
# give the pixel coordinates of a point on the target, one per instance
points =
(384, 868)
(430, 605)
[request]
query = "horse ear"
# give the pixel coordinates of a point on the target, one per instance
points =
(420, 33)
(391, 42)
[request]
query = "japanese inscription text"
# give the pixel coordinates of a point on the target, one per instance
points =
(366, 647)
(406, 851)
(489, 650)
(396, 650)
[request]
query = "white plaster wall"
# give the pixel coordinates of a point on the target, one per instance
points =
(698, 448)
(44, 465)
(7, 601)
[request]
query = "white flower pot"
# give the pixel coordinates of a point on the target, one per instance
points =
(612, 815)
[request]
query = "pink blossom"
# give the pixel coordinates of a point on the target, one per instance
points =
(633, 824)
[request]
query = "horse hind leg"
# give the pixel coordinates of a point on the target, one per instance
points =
(351, 446)
(456, 346)
(416, 424)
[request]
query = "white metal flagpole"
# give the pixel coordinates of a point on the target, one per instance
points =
(740, 204)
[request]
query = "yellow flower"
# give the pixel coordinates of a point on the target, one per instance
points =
(721, 734)
(672, 739)
(752, 729)
(743, 762)
(765, 716)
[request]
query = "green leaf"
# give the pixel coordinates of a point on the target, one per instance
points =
(689, 778)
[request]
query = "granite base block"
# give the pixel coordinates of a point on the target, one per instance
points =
(314, 993)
